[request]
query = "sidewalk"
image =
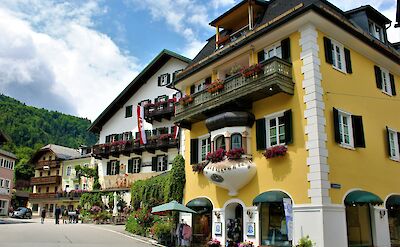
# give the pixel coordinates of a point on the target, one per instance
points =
(121, 229)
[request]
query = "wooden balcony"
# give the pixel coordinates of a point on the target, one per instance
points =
(49, 163)
(274, 77)
(46, 180)
(42, 196)
(159, 111)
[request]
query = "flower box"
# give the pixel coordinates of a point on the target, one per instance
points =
(214, 243)
(251, 70)
(275, 151)
(215, 86)
(235, 153)
(185, 100)
(216, 156)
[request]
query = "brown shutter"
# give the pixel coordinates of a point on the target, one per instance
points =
(358, 131)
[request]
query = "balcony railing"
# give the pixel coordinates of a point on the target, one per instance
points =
(46, 180)
(275, 76)
(42, 195)
(159, 110)
(154, 142)
(49, 163)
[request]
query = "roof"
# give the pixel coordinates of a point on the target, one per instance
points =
(8, 154)
(160, 60)
(370, 11)
(61, 152)
(4, 137)
(277, 13)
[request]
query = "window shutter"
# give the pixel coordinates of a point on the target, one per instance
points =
(288, 126)
(130, 135)
(378, 77)
(388, 141)
(208, 81)
(140, 164)
(130, 166)
(392, 84)
(159, 81)
(347, 57)
(328, 50)
(192, 89)
(168, 78)
(154, 163)
(194, 151)
(165, 163)
(108, 168)
(260, 56)
(107, 139)
(117, 168)
(285, 45)
(398, 138)
(336, 125)
(261, 134)
(358, 131)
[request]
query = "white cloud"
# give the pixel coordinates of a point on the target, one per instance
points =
(222, 3)
(53, 53)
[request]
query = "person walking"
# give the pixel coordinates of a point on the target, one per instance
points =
(42, 215)
(57, 213)
(65, 216)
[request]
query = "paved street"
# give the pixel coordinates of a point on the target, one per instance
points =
(16, 233)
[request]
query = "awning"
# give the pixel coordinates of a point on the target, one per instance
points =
(270, 196)
(199, 202)
(172, 206)
(393, 201)
(361, 197)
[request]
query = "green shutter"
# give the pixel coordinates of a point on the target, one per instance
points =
(288, 126)
(117, 168)
(358, 131)
(194, 151)
(285, 46)
(347, 57)
(261, 136)
(336, 125)
(108, 168)
(154, 163)
(130, 166)
(260, 56)
(378, 77)
(328, 50)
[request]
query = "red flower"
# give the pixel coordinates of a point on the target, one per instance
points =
(235, 153)
(275, 151)
(216, 156)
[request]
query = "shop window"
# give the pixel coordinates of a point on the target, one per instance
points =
(205, 148)
(359, 225)
(220, 142)
(273, 225)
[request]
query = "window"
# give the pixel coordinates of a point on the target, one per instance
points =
(48, 173)
(69, 170)
(164, 79)
(7, 185)
(386, 85)
(84, 186)
(162, 163)
(345, 129)
(276, 130)
(236, 140)
(39, 189)
(41, 174)
(3, 207)
(1, 183)
(393, 143)
(76, 186)
(128, 111)
(338, 56)
(114, 168)
(136, 165)
(205, 147)
(220, 142)
(376, 31)
(1, 162)
(273, 51)
(47, 189)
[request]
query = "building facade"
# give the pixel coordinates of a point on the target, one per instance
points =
(291, 127)
(128, 151)
(7, 163)
(47, 191)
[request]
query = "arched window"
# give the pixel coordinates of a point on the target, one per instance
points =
(236, 140)
(220, 142)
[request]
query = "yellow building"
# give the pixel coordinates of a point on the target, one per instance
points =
(308, 92)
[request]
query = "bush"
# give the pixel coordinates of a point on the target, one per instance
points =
(305, 242)
(162, 229)
(133, 226)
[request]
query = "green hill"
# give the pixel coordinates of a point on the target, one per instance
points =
(31, 128)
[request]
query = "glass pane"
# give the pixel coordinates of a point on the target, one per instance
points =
(358, 225)
(220, 143)
(282, 138)
(272, 131)
(273, 141)
(236, 140)
(272, 122)
(279, 52)
(282, 129)
(273, 225)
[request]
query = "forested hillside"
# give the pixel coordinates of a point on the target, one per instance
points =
(30, 128)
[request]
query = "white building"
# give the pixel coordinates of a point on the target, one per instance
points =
(122, 156)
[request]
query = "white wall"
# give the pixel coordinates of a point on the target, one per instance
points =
(150, 90)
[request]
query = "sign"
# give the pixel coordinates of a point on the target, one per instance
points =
(336, 186)
(287, 205)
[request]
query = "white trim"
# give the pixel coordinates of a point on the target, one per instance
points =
(342, 56)
(386, 83)
(342, 114)
(234, 200)
(269, 117)
(396, 145)
(207, 137)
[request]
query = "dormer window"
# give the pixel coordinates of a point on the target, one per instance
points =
(376, 31)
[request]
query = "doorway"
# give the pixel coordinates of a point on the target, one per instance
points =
(234, 223)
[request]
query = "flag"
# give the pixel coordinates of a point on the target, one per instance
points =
(176, 131)
(140, 117)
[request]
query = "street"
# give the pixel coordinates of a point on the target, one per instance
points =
(16, 233)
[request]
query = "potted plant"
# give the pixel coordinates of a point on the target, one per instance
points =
(246, 244)
(185, 100)
(215, 86)
(214, 243)
(275, 151)
(251, 70)
(235, 153)
(305, 242)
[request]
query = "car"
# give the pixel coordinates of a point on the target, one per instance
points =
(22, 213)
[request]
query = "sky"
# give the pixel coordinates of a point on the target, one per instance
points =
(75, 57)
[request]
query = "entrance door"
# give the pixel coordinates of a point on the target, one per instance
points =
(234, 223)
(359, 232)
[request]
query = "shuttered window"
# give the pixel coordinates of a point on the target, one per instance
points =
(349, 129)
(164, 79)
(281, 50)
(128, 111)
(205, 148)
(194, 145)
(385, 81)
(393, 142)
(134, 165)
(337, 55)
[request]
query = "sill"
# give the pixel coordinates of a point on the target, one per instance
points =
(386, 93)
(347, 146)
(340, 70)
(395, 159)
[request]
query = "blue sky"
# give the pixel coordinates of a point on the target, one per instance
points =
(77, 56)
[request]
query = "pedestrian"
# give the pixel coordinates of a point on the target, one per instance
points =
(76, 215)
(65, 216)
(57, 213)
(42, 215)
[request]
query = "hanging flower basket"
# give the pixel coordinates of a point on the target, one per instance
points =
(235, 153)
(251, 70)
(215, 86)
(275, 151)
(216, 156)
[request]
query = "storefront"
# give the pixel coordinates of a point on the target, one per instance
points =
(393, 208)
(275, 222)
(202, 221)
(359, 207)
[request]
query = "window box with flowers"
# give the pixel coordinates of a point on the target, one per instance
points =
(216, 156)
(215, 86)
(251, 70)
(185, 100)
(235, 154)
(214, 243)
(198, 168)
(246, 244)
(275, 151)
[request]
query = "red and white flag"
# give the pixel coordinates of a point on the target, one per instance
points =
(176, 131)
(140, 118)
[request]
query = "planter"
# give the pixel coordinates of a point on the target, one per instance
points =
(276, 151)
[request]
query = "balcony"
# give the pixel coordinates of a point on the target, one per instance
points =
(42, 196)
(46, 180)
(275, 76)
(160, 110)
(49, 163)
